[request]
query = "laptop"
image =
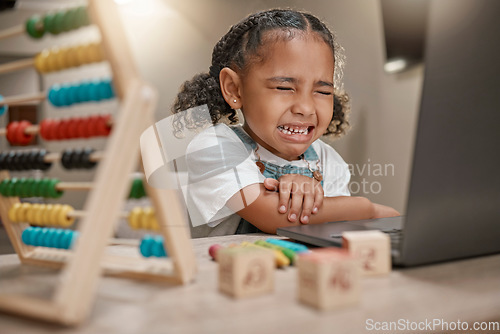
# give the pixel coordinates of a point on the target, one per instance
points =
(453, 208)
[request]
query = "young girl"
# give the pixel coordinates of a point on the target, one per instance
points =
(282, 69)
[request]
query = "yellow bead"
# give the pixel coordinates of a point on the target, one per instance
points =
(95, 53)
(133, 218)
(38, 214)
(152, 222)
(41, 61)
(71, 57)
(23, 212)
(81, 55)
(144, 222)
(31, 213)
(64, 220)
(13, 211)
(61, 59)
(54, 213)
(46, 215)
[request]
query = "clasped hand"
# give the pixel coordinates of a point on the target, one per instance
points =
(299, 195)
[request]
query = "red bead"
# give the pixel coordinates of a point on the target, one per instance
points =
(62, 131)
(44, 128)
(11, 132)
(72, 130)
(85, 127)
(22, 137)
(54, 130)
(80, 128)
(92, 126)
(103, 128)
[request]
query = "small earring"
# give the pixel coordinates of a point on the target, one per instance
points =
(234, 101)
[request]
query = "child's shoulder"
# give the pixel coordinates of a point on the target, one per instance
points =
(327, 153)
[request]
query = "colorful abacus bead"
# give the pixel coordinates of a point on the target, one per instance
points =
(42, 214)
(77, 158)
(143, 218)
(68, 94)
(92, 126)
(49, 237)
(3, 108)
(152, 246)
(28, 187)
(35, 27)
(137, 190)
(16, 133)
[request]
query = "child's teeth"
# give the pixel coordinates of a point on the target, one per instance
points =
(287, 130)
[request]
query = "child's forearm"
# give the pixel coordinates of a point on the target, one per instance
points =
(263, 211)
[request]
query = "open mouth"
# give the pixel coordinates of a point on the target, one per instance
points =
(295, 130)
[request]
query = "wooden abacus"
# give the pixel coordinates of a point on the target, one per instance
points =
(83, 264)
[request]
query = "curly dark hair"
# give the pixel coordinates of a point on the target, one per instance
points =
(238, 49)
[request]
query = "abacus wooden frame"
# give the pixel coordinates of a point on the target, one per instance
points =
(83, 266)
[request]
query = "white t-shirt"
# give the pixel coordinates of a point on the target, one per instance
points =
(219, 165)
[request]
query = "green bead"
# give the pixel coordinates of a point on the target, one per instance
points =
(85, 21)
(68, 22)
(10, 187)
(36, 188)
(3, 187)
(133, 190)
(29, 187)
(20, 187)
(80, 14)
(35, 27)
(48, 22)
(53, 192)
(58, 22)
(142, 192)
(44, 187)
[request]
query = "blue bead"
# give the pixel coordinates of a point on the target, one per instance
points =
(63, 96)
(41, 238)
(146, 246)
(83, 92)
(158, 249)
(73, 94)
(4, 108)
(54, 95)
(26, 236)
(65, 240)
(69, 95)
(32, 235)
(51, 238)
(105, 89)
(56, 237)
(94, 90)
(74, 237)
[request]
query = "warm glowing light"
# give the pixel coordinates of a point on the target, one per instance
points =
(395, 65)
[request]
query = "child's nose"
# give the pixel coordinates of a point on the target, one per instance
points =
(304, 104)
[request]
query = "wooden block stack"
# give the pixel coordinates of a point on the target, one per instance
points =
(373, 248)
(328, 278)
(245, 272)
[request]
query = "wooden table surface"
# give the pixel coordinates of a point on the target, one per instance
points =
(467, 290)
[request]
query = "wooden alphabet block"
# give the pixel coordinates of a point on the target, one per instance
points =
(373, 248)
(328, 278)
(245, 272)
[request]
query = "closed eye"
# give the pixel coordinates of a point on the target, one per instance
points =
(325, 93)
(283, 88)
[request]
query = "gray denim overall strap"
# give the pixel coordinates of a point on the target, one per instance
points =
(272, 171)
